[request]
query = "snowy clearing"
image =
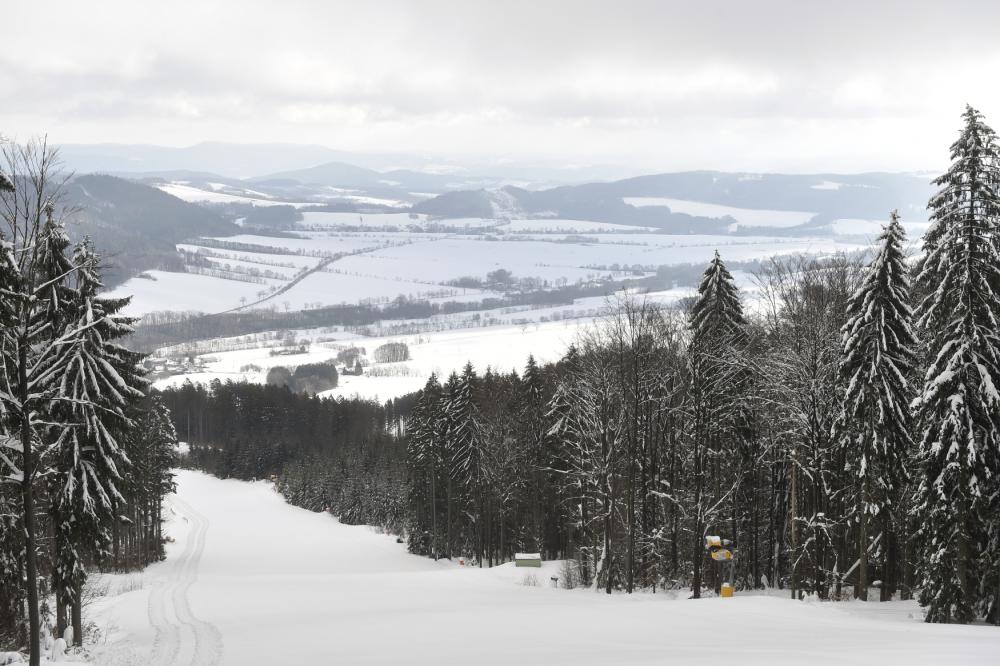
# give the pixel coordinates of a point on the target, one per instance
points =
(273, 584)
(186, 292)
(376, 220)
(870, 229)
(566, 226)
(193, 194)
(747, 217)
(500, 347)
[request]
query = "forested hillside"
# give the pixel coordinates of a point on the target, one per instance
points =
(136, 226)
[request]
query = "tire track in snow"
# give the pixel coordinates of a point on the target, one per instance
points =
(181, 638)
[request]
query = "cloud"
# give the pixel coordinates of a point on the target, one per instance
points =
(763, 85)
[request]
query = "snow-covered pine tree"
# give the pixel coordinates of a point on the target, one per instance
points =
(424, 456)
(12, 578)
(718, 332)
(33, 341)
(54, 270)
(152, 448)
(98, 383)
(531, 433)
(463, 451)
(959, 407)
(463, 429)
(874, 423)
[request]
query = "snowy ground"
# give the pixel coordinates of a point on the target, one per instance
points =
(750, 217)
(383, 265)
(251, 580)
(501, 338)
(503, 348)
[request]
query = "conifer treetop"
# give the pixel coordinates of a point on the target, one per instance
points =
(718, 309)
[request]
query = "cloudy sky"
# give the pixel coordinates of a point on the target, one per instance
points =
(789, 85)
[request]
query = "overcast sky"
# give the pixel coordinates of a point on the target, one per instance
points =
(790, 85)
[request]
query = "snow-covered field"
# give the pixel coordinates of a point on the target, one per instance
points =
(870, 229)
(566, 226)
(380, 265)
(374, 220)
(193, 194)
(186, 292)
(500, 347)
(332, 288)
(252, 580)
(748, 217)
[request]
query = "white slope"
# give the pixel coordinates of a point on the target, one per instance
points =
(251, 580)
(197, 195)
(748, 217)
(188, 292)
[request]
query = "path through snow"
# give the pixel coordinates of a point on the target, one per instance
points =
(181, 638)
(280, 585)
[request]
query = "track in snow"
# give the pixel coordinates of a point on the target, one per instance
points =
(181, 638)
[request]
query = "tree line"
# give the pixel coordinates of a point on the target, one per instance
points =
(85, 451)
(842, 434)
(345, 456)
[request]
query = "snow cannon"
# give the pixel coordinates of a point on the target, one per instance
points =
(719, 550)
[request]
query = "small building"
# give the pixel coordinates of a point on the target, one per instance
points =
(528, 560)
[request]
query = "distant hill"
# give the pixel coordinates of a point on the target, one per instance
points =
(398, 181)
(338, 174)
(136, 226)
(242, 161)
(827, 196)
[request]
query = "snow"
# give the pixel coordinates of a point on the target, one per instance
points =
(186, 292)
(452, 257)
(273, 584)
(501, 347)
(827, 185)
(870, 229)
(330, 288)
(310, 243)
(321, 219)
(854, 227)
(566, 226)
(194, 194)
(299, 261)
(748, 217)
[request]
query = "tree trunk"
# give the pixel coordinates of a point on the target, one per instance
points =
(794, 527)
(77, 612)
(28, 506)
(862, 591)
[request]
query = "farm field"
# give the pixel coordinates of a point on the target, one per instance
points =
(500, 347)
(377, 266)
(748, 217)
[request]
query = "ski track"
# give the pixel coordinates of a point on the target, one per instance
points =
(181, 638)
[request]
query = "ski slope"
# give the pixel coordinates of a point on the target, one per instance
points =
(251, 580)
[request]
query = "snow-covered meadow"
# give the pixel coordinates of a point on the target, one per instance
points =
(747, 217)
(251, 580)
(374, 257)
(501, 339)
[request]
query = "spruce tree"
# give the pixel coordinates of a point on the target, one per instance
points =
(959, 407)
(718, 332)
(425, 458)
(874, 423)
(463, 429)
(98, 382)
